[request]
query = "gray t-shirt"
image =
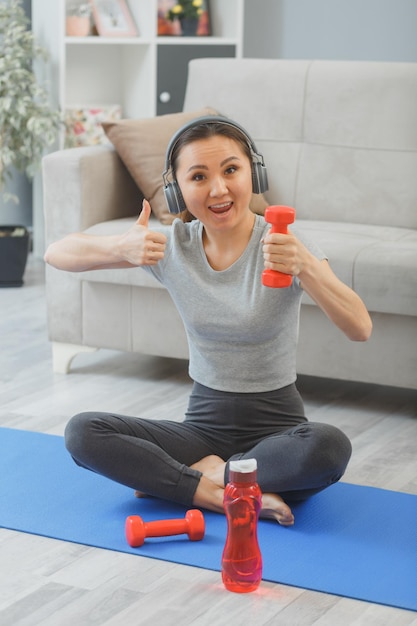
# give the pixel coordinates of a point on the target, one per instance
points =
(242, 335)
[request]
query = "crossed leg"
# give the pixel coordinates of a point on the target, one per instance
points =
(175, 462)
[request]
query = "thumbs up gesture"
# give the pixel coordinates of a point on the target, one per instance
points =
(140, 245)
(144, 215)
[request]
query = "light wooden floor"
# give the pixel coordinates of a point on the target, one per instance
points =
(48, 582)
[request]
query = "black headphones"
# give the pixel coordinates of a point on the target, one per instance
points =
(173, 195)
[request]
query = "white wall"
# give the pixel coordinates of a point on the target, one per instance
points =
(363, 30)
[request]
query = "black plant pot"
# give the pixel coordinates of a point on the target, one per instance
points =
(189, 26)
(14, 250)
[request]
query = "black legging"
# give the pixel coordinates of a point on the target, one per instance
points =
(296, 458)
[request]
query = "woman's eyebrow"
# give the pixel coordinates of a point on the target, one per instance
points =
(231, 158)
(197, 167)
(204, 167)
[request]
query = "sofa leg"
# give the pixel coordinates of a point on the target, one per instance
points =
(63, 353)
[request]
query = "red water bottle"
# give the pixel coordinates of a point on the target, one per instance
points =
(242, 559)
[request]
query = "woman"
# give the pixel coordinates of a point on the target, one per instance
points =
(242, 338)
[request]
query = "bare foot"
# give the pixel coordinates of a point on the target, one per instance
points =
(273, 506)
(212, 467)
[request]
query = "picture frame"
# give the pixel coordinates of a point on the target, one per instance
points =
(112, 18)
(167, 28)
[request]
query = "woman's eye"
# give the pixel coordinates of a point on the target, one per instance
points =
(231, 169)
(198, 177)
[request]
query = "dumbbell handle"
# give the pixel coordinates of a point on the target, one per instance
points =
(279, 217)
(161, 528)
(192, 524)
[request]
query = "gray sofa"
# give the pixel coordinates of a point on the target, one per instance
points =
(340, 143)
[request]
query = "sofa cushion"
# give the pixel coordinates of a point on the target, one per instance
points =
(339, 138)
(390, 267)
(142, 144)
(378, 262)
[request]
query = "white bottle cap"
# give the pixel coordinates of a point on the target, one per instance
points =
(245, 466)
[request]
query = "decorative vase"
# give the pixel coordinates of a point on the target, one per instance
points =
(77, 25)
(189, 26)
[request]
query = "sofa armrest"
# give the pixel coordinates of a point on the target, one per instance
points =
(83, 186)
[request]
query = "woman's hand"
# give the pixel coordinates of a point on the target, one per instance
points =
(141, 246)
(284, 253)
(80, 252)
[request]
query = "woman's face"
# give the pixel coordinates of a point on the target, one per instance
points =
(215, 178)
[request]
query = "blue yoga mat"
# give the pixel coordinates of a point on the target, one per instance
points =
(353, 541)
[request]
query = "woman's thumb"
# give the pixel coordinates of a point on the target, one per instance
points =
(143, 219)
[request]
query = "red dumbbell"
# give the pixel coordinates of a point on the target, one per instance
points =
(279, 217)
(192, 524)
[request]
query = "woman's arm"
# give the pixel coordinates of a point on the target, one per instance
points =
(285, 253)
(338, 301)
(79, 252)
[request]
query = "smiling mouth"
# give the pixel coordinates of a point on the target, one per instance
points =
(221, 208)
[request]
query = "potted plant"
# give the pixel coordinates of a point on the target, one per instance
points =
(28, 124)
(188, 12)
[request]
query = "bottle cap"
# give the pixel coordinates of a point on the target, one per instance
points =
(245, 466)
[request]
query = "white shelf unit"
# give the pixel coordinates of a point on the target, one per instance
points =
(98, 70)
(94, 70)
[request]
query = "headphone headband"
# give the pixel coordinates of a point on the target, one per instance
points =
(172, 191)
(206, 119)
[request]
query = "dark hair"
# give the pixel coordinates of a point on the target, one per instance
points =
(205, 131)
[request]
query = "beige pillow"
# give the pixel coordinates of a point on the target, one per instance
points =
(141, 144)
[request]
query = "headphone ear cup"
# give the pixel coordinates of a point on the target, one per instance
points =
(259, 178)
(173, 197)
